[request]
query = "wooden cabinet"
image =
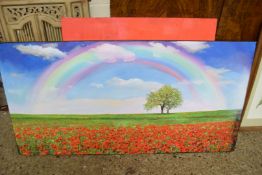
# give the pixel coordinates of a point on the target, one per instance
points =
(37, 20)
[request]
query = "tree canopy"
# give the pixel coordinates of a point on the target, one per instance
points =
(166, 98)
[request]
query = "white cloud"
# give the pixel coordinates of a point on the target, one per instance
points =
(227, 82)
(111, 53)
(156, 48)
(49, 94)
(198, 82)
(239, 91)
(109, 106)
(49, 102)
(190, 105)
(46, 51)
(77, 48)
(89, 106)
(97, 85)
(54, 45)
(134, 83)
(60, 105)
(187, 82)
(16, 75)
(192, 46)
(218, 73)
(16, 92)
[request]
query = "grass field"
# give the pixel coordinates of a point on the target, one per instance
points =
(210, 131)
(117, 120)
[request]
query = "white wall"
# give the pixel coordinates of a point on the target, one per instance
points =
(99, 8)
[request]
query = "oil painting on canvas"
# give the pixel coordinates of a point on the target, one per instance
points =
(125, 97)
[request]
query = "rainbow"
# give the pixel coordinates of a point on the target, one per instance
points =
(81, 63)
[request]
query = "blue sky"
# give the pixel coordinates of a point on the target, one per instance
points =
(123, 85)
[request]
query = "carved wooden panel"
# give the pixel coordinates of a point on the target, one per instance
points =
(1, 33)
(1, 37)
(15, 13)
(51, 33)
(37, 20)
(50, 28)
(77, 10)
(24, 30)
(25, 33)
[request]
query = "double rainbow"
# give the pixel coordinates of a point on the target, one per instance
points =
(67, 72)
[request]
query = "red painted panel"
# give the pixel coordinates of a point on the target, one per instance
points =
(76, 29)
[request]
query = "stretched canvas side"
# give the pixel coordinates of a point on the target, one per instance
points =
(125, 97)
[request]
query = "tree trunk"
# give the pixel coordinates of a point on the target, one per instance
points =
(162, 109)
(167, 111)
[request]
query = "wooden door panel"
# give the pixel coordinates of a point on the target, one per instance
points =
(195, 8)
(25, 30)
(138, 8)
(240, 20)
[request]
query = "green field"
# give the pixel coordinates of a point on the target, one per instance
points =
(116, 120)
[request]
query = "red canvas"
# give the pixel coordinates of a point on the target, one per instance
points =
(76, 29)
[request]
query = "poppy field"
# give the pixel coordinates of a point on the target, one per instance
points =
(135, 134)
(125, 97)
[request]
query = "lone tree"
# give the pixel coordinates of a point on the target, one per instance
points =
(166, 97)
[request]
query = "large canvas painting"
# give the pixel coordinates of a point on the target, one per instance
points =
(125, 97)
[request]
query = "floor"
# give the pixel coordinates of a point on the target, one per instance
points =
(246, 159)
